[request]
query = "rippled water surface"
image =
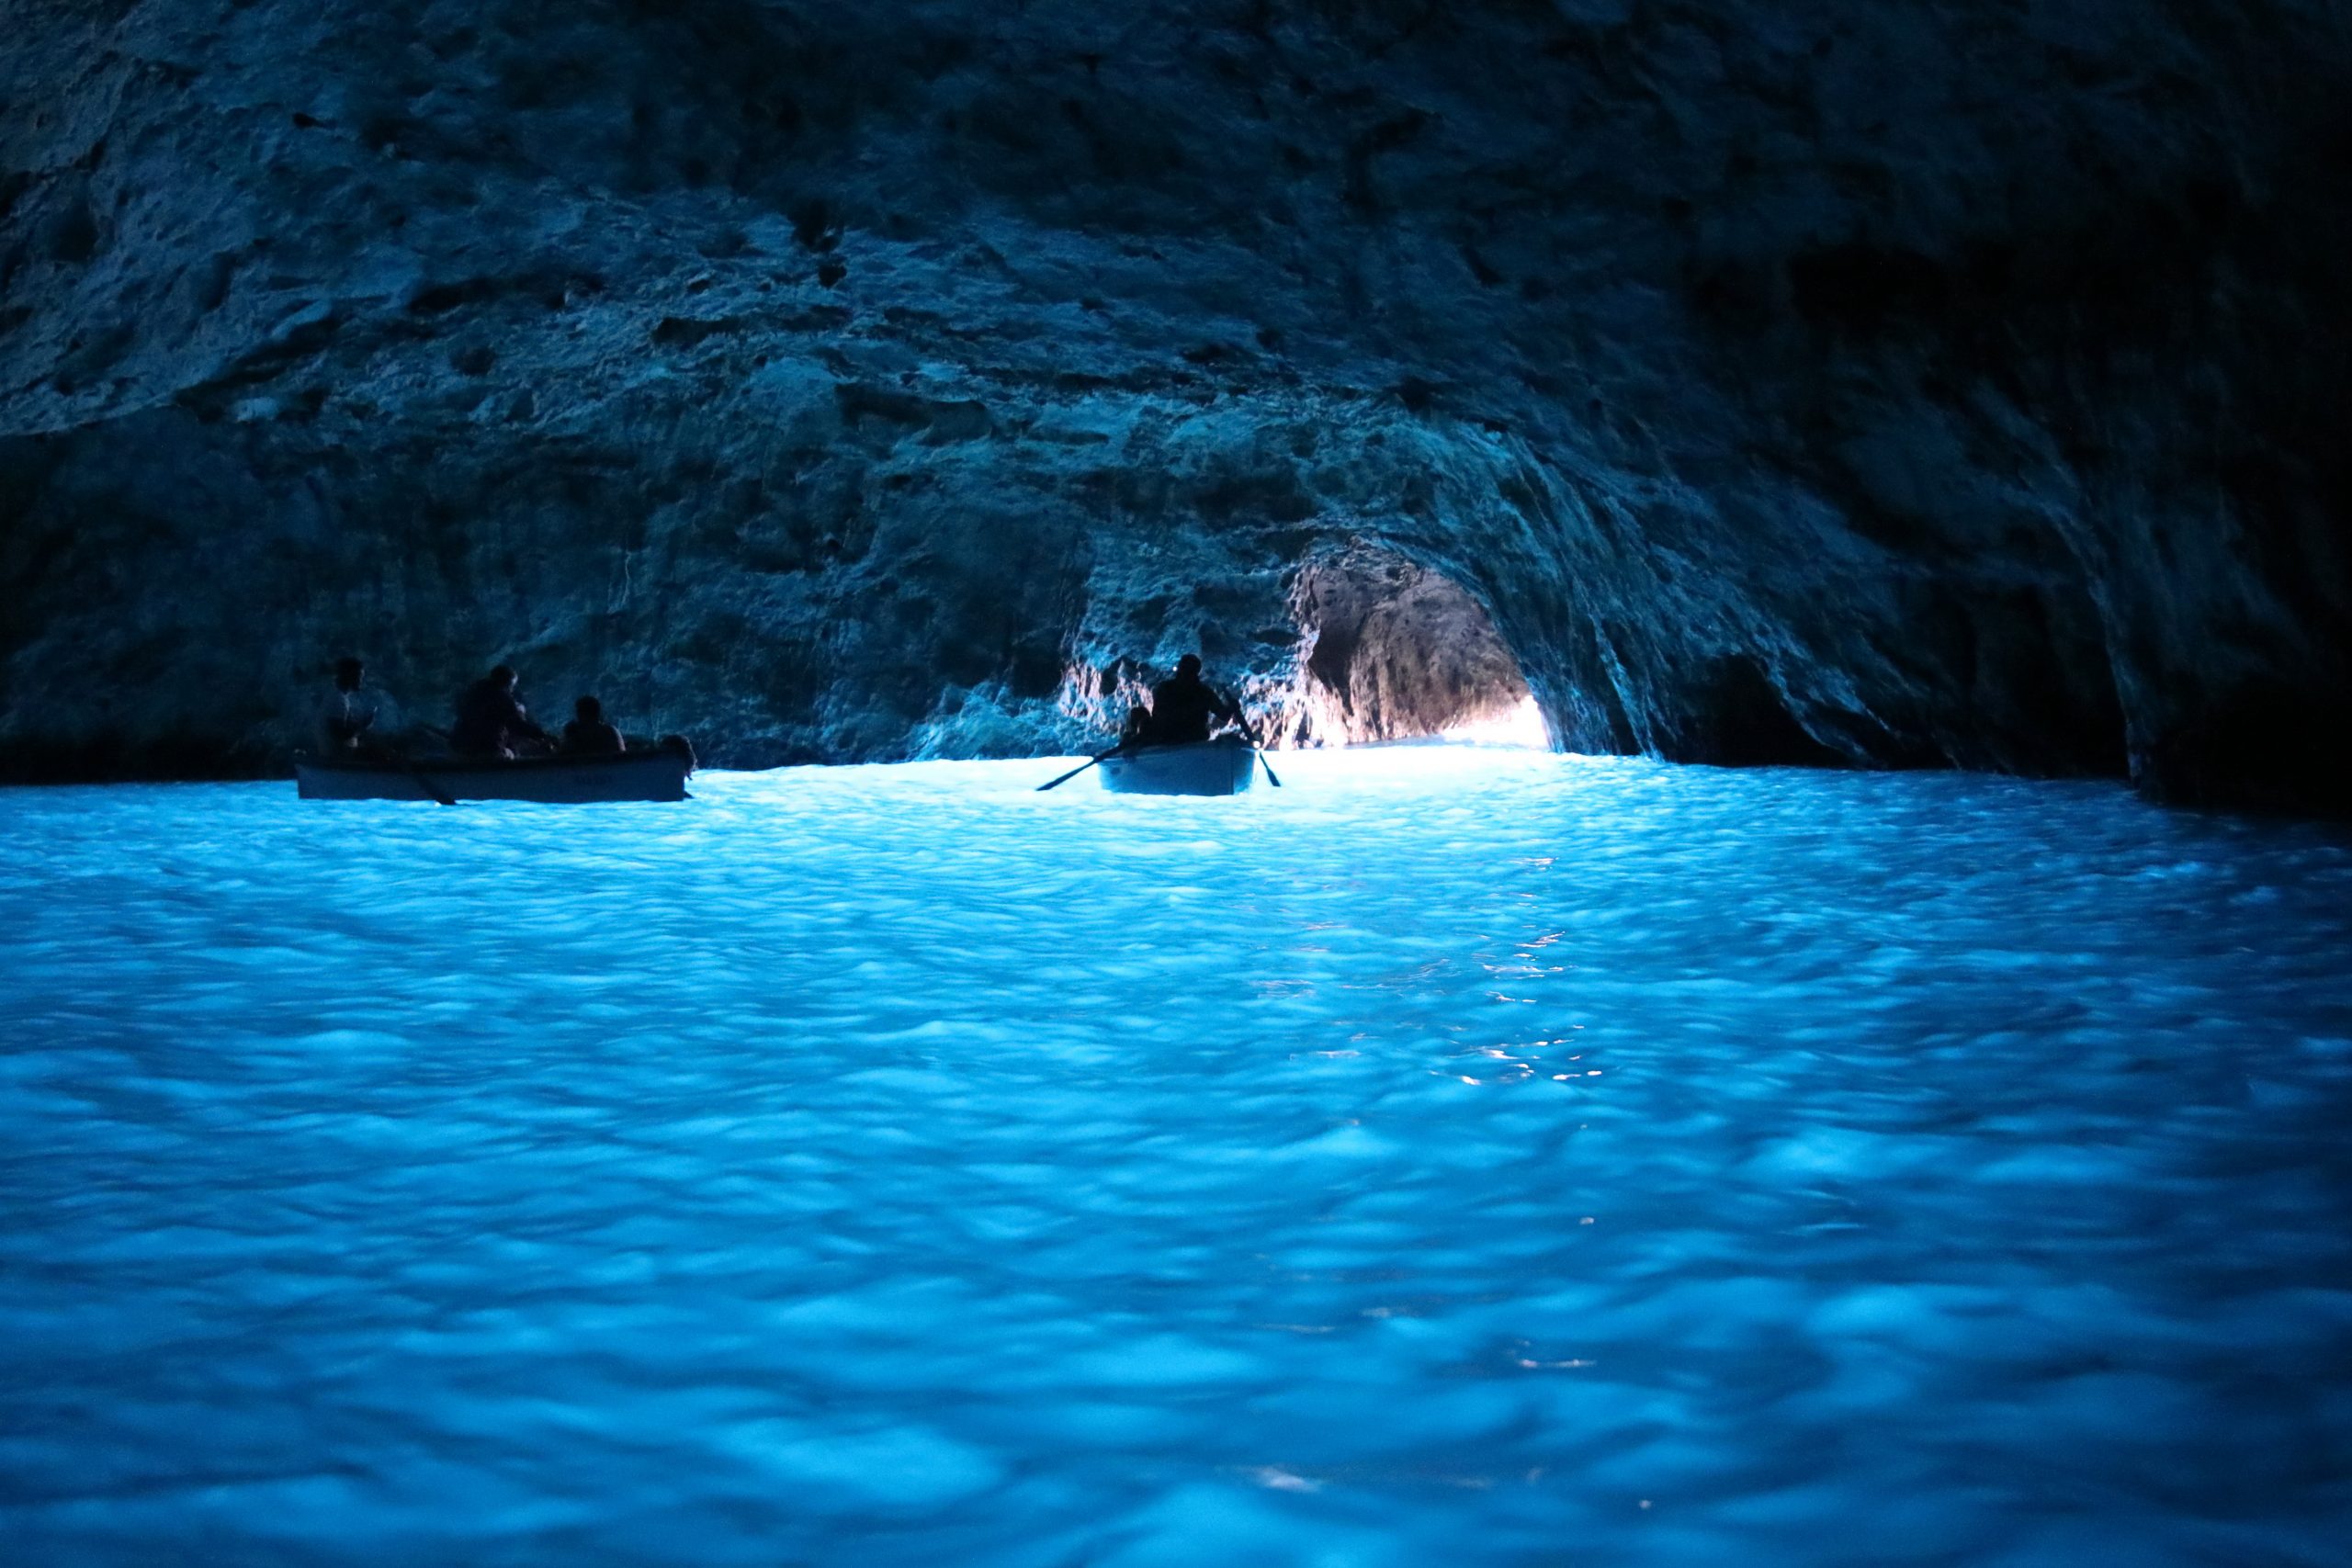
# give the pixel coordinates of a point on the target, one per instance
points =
(1452, 1157)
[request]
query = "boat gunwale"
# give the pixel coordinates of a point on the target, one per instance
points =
(409, 768)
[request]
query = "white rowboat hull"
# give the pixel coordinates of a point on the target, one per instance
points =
(1217, 767)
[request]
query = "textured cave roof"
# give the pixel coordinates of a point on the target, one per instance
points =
(1951, 384)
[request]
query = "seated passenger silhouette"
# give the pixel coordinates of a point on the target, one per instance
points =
(348, 714)
(1184, 707)
(588, 735)
(492, 722)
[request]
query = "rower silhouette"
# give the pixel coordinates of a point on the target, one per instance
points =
(1184, 708)
(492, 721)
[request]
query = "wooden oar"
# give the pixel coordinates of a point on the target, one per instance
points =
(1250, 736)
(389, 763)
(1083, 767)
(429, 788)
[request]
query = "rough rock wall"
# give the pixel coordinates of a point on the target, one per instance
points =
(1818, 380)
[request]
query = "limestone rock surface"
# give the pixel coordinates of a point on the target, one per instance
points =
(1825, 381)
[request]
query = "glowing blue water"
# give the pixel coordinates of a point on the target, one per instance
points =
(1451, 1158)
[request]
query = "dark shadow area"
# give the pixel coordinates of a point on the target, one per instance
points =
(2266, 746)
(1739, 719)
(118, 758)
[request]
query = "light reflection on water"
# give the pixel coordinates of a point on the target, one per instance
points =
(1452, 1158)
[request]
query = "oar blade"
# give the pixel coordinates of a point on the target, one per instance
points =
(1070, 775)
(1099, 756)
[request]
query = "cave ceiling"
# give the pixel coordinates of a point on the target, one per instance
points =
(1813, 382)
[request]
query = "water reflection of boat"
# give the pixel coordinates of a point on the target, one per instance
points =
(656, 774)
(1216, 767)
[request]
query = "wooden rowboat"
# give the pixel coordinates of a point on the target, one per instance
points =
(1214, 767)
(656, 774)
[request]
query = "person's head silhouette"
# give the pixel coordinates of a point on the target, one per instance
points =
(588, 710)
(1188, 666)
(347, 673)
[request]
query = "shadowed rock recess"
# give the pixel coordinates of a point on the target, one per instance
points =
(1820, 381)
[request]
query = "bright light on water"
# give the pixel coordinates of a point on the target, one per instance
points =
(1522, 723)
(1452, 1157)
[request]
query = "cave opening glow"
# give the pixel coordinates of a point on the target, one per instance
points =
(1392, 650)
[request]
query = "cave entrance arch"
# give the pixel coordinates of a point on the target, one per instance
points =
(1392, 650)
